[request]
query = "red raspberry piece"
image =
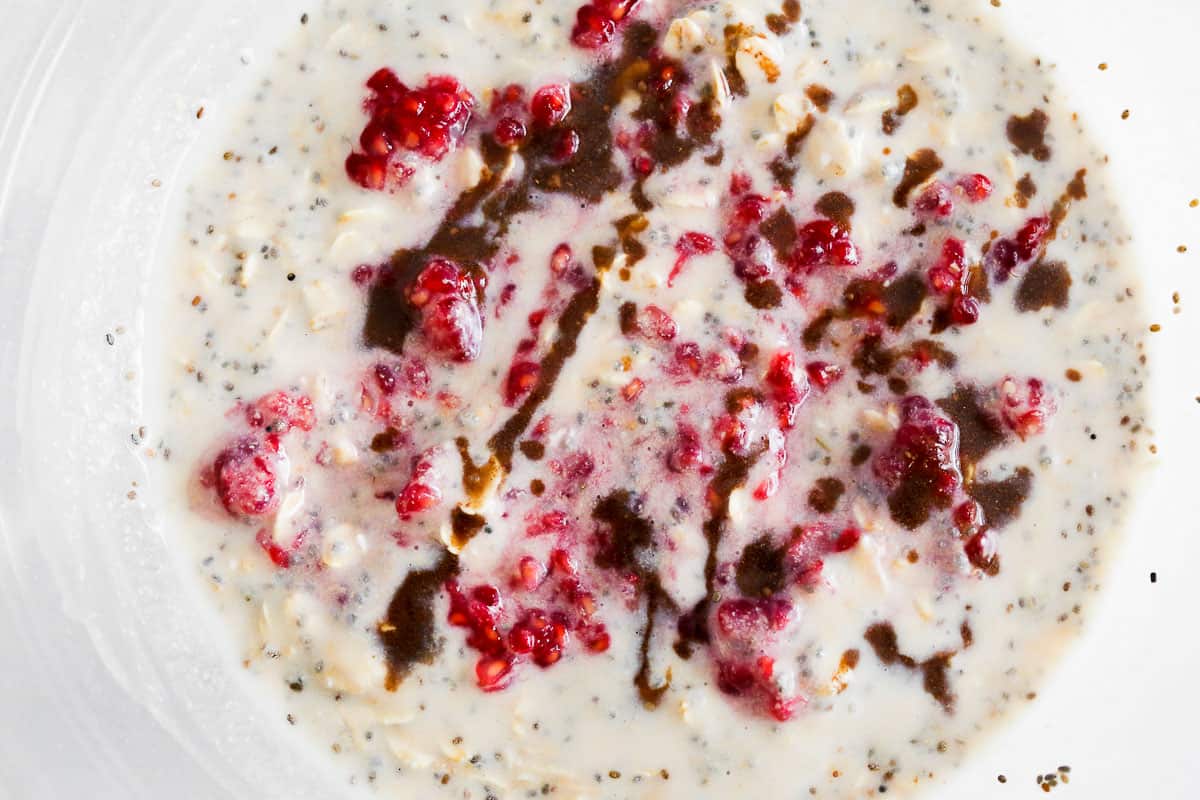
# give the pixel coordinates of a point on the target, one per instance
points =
(981, 551)
(479, 612)
(593, 29)
(657, 323)
(924, 450)
(1031, 236)
(454, 328)
(567, 146)
(279, 412)
(450, 316)
(746, 632)
(789, 388)
(753, 257)
(560, 260)
(688, 356)
(596, 23)
(282, 557)
(687, 453)
(493, 673)
(935, 203)
(550, 105)
(948, 274)
(441, 276)
(428, 121)
(823, 375)
(1004, 259)
(420, 493)
(977, 187)
(530, 573)
(1025, 409)
(690, 244)
(824, 242)
(616, 10)
(522, 377)
(415, 498)
(731, 434)
(246, 479)
(964, 310)
(968, 517)
(510, 132)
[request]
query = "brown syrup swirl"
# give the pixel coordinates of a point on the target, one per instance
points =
(934, 670)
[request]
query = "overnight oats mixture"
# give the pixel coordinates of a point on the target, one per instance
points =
(651, 399)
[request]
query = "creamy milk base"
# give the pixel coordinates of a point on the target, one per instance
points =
(262, 299)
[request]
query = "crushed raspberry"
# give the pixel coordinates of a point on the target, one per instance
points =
(789, 387)
(543, 637)
(493, 673)
(1031, 236)
(566, 147)
(441, 276)
(452, 326)
(592, 28)
(506, 632)
(522, 377)
(1026, 408)
(689, 357)
(981, 551)
(687, 454)
(752, 255)
(731, 434)
(805, 552)
(949, 273)
(427, 121)
(935, 203)
(1006, 255)
(363, 275)
(824, 242)
(596, 23)
(512, 95)
(560, 260)
(510, 132)
(690, 244)
(552, 522)
(478, 611)
(279, 412)
(767, 487)
(724, 365)
(745, 634)
(968, 517)
(923, 455)
(823, 375)
(245, 475)
(964, 310)
(550, 105)
(282, 557)
(950, 277)
(421, 492)
(530, 573)
(416, 497)
(976, 188)
(654, 322)
(447, 297)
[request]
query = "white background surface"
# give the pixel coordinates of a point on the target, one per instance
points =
(102, 691)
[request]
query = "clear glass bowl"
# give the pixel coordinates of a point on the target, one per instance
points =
(116, 681)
